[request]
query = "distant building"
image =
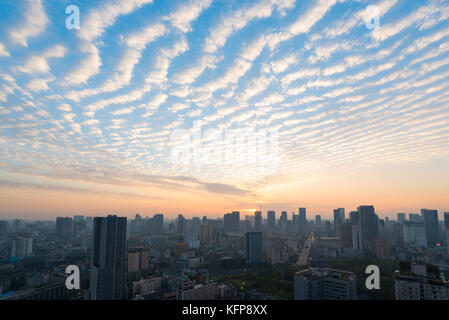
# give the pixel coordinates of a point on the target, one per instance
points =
(198, 292)
(322, 283)
(417, 281)
(318, 220)
(157, 224)
(346, 235)
(447, 240)
(354, 217)
(55, 291)
(414, 217)
(258, 221)
(3, 228)
(181, 224)
(146, 286)
(446, 220)
(401, 217)
(271, 220)
(108, 270)
(414, 233)
(339, 218)
(302, 219)
(369, 223)
(206, 233)
(21, 246)
(138, 260)
(357, 239)
(432, 227)
(64, 227)
(253, 247)
(382, 248)
(231, 222)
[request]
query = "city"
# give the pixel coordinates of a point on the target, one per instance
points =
(251, 257)
(224, 158)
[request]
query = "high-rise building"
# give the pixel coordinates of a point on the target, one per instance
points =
(339, 218)
(258, 221)
(3, 228)
(357, 239)
(446, 220)
(401, 217)
(318, 220)
(157, 223)
(283, 221)
(417, 281)
(181, 224)
(346, 235)
(354, 217)
(414, 233)
(21, 246)
(253, 247)
(18, 225)
(414, 217)
(432, 227)
(64, 227)
(206, 233)
(447, 240)
(89, 223)
(138, 259)
(109, 267)
(271, 220)
(302, 216)
(79, 224)
(323, 283)
(231, 222)
(369, 223)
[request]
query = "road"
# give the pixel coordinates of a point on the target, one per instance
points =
(304, 256)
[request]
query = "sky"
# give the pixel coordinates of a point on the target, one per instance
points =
(201, 107)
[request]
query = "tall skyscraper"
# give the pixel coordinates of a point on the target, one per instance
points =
(271, 220)
(253, 247)
(401, 217)
(258, 221)
(432, 227)
(318, 220)
(369, 223)
(339, 218)
(109, 267)
(302, 216)
(64, 227)
(157, 223)
(346, 235)
(354, 217)
(181, 224)
(231, 221)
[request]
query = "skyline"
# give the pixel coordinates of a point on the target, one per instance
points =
(248, 212)
(90, 117)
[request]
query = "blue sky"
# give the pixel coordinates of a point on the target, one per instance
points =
(92, 110)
